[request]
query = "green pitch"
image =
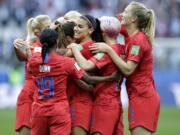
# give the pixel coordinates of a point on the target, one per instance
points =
(169, 122)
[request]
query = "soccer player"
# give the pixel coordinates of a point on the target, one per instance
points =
(86, 33)
(50, 110)
(107, 107)
(25, 98)
(144, 101)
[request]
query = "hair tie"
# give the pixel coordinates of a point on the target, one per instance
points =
(45, 44)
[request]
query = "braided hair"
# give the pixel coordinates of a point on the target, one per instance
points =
(48, 39)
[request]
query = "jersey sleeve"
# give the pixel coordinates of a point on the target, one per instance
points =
(75, 70)
(135, 52)
(100, 60)
(33, 64)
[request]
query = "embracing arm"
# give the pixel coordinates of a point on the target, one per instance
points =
(87, 81)
(21, 55)
(22, 49)
(97, 79)
(126, 68)
(83, 85)
(87, 65)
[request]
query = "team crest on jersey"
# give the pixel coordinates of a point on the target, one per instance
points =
(135, 50)
(37, 49)
(44, 68)
(99, 55)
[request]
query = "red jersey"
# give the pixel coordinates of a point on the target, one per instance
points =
(73, 89)
(51, 79)
(107, 90)
(37, 48)
(140, 82)
(85, 49)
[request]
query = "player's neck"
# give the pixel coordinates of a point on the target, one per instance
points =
(110, 41)
(86, 39)
(132, 30)
(52, 50)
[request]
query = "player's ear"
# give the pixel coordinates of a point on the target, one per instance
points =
(91, 31)
(134, 19)
(37, 32)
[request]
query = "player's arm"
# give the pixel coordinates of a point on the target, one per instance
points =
(126, 68)
(85, 64)
(82, 76)
(97, 79)
(61, 51)
(87, 81)
(69, 53)
(18, 45)
(83, 85)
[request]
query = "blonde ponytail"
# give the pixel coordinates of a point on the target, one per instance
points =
(150, 28)
(30, 32)
(146, 19)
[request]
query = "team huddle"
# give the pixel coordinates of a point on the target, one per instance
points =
(74, 71)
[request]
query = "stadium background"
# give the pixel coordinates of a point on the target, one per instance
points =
(13, 17)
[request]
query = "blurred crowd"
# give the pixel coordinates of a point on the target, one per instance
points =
(14, 14)
(167, 11)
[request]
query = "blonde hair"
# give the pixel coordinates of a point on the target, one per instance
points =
(110, 25)
(60, 20)
(146, 19)
(36, 25)
(71, 15)
(30, 32)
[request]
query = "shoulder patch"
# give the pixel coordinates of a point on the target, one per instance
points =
(135, 49)
(80, 47)
(99, 55)
(37, 49)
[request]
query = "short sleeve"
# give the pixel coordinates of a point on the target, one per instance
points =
(100, 60)
(135, 52)
(33, 64)
(75, 70)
